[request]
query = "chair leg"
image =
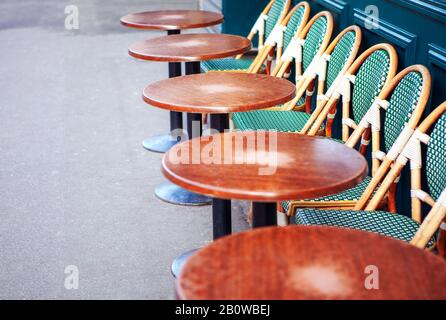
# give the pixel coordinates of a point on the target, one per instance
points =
(330, 120)
(365, 141)
(391, 198)
(308, 97)
(269, 63)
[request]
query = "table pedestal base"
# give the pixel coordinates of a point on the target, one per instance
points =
(179, 262)
(163, 143)
(160, 144)
(174, 194)
(221, 223)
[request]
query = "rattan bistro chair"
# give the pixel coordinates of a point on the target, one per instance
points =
(281, 37)
(403, 100)
(397, 225)
(328, 68)
(305, 46)
(373, 69)
(313, 48)
(273, 14)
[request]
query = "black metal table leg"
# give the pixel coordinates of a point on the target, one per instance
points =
(164, 142)
(221, 218)
(221, 209)
(264, 214)
(193, 67)
(220, 121)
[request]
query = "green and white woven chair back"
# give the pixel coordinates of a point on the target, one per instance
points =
(402, 103)
(339, 57)
(293, 25)
(369, 82)
(436, 159)
(313, 41)
(273, 16)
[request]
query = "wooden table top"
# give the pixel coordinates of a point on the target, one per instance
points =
(219, 92)
(311, 262)
(190, 47)
(289, 166)
(172, 19)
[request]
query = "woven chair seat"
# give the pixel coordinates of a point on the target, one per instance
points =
(352, 194)
(226, 64)
(382, 222)
(283, 121)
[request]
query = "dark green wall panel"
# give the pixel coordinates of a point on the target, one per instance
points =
(240, 15)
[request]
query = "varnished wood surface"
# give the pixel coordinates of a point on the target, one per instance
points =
(190, 47)
(305, 166)
(172, 19)
(311, 263)
(219, 92)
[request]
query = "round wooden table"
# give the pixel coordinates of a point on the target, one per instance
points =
(217, 93)
(194, 47)
(189, 48)
(267, 167)
(264, 167)
(311, 262)
(172, 21)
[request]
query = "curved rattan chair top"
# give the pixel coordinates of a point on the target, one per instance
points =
(373, 70)
(317, 34)
(277, 12)
(343, 51)
(274, 13)
(340, 54)
(295, 21)
(407, 93)
(291, 25)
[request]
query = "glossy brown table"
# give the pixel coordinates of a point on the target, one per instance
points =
(172, 21)
(189, 48)
(194, 47)
(217, 94)
(304, 167)
(311, 262)
(267, 167)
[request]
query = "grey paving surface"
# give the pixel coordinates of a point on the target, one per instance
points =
(76, 187)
